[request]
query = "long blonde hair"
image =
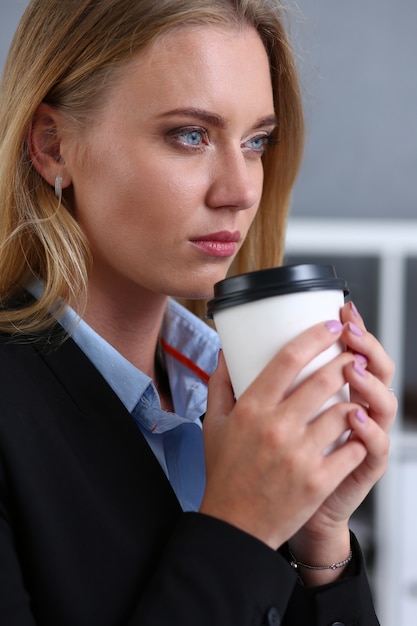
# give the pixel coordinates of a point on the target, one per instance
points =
(65, 54)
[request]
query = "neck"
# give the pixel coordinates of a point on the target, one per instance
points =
(130, 324)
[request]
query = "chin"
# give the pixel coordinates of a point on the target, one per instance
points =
(199, 286)
(199, 293)
(193, 295)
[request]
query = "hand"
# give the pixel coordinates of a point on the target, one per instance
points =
(370, 376)
(266, 472)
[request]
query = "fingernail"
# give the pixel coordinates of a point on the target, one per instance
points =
(359, 369)
(355, 330)
(361, 358)
(354, 309)
(361, 416)
(334, 326)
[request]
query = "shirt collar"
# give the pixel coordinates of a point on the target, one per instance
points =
(190, 350)
(127, 381)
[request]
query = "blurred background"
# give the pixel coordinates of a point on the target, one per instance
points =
(355, 206)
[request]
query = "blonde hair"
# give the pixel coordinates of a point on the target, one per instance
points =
(66, 54)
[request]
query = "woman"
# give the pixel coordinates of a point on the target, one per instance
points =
(141, 144)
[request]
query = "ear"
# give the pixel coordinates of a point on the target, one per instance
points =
(44, 145)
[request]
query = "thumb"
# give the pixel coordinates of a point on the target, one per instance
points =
(221, 398)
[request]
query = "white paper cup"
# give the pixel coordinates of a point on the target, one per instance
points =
(257, 313)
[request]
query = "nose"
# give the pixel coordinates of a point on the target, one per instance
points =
(236, 181)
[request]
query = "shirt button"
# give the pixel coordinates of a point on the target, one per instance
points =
(337, 624)
(273, 618)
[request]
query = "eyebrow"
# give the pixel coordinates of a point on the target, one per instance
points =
(216, 120)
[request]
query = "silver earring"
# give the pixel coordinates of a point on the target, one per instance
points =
(58, 187)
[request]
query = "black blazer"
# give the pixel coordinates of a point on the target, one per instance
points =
(91, 533)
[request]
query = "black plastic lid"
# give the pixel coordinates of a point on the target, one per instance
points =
(273, 282)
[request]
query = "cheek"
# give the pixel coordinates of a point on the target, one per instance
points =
(169, 196)
(133, 207)
(105, 181)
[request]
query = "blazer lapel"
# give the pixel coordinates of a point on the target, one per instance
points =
(103, 430)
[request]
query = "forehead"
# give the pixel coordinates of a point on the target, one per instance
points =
(199, 44)
(198, 61)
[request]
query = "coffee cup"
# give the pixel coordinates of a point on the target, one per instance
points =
(257, 313)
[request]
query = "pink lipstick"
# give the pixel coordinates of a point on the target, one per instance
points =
(220, 244)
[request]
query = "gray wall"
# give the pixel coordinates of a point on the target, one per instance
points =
(359, 64)
(10, 12)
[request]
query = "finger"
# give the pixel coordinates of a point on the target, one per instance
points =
(344, 460)
(363, 343)
(320, 389)
(349, 313)
(330, 428)
(374, 438)
(273, 382)
(382, 404)
(220, 400)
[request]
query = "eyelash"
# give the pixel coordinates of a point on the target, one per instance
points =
(176, 134)
(268, 141)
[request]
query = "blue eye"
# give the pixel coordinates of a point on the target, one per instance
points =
(257, 145)
(258, 142)
(192, 137)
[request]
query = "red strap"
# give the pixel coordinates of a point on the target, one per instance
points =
(185, 361)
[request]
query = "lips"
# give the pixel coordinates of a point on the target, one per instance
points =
(220, 244)
(223, 236)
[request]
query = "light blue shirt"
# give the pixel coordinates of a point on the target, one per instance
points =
(190, 351)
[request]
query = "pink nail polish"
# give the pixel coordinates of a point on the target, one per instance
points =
(361, 358)
(354, 309)
(359, 369)
(361, 416)
(355, 330)
(334, 326)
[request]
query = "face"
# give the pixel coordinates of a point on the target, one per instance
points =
(168, 179)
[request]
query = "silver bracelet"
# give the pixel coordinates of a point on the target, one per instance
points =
(296, 564)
